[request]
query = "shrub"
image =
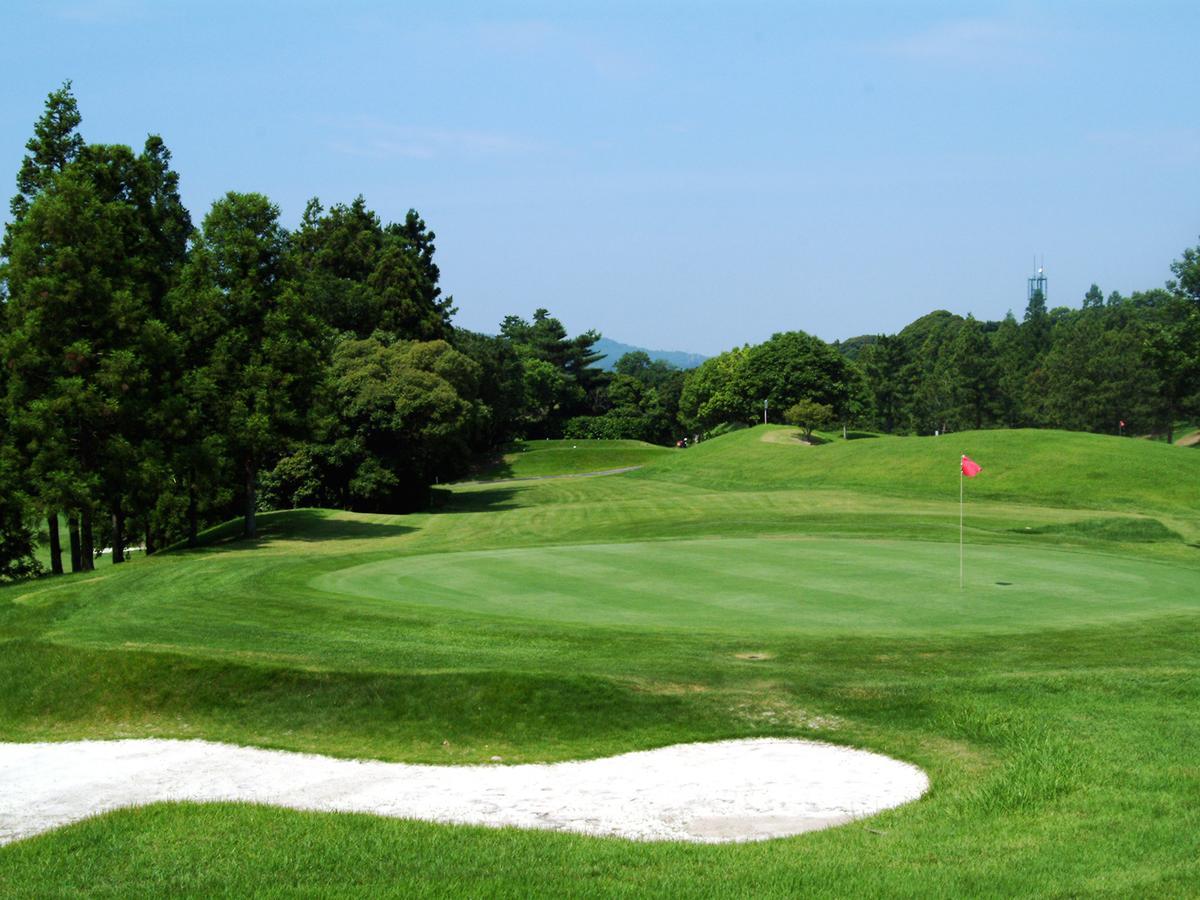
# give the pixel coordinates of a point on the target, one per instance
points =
(808, 414)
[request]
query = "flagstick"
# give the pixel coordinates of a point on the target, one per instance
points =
(960, 525)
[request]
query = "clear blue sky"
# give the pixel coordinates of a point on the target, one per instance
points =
(680, 175)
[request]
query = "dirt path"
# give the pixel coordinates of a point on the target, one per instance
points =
(784, 437)
(709, 793)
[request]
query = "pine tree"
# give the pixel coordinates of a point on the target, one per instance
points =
(256, 346)
(54, 145)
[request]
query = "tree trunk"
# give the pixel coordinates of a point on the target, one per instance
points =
(76, 554)
(118, 535)
(55, 545)
(192, 513)
(250, 497)
(151, 547)
(87, 542)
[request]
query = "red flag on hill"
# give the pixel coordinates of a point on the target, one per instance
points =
(970, 468)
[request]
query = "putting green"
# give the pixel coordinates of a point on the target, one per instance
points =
(769, 585)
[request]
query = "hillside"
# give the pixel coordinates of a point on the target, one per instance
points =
(1053, 468)
(549, 458)
(614, 350)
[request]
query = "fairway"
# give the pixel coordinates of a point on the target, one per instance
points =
(739, 590)
(781, 585)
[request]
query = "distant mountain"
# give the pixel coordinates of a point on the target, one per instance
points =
(614, 350)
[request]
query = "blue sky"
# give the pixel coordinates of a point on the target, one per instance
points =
(677, 175)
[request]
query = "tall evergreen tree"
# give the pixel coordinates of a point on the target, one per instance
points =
(1012, 366)
(560, 374)
(55, 144)
(259, 344)
(501, 393)
(1096, 375)
(67, 275)
(927, 379)
(973, 376)
(882, 362)
(1094, 298)
(363, 277)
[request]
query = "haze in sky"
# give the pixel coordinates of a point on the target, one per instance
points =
(679, 175)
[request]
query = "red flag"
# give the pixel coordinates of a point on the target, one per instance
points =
(970, 468)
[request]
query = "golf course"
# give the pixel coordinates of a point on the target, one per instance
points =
(747, 587)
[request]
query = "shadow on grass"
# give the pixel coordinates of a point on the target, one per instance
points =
(491, 468)
(297, 525)
(485, 499)
(321, 525)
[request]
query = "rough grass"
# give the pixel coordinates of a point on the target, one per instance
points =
(1115, 528)
(1061, 744)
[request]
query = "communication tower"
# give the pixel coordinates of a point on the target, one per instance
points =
(1037, 281)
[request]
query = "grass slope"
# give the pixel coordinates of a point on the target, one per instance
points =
(1059, 726)
(1058, 468)
(536, 459)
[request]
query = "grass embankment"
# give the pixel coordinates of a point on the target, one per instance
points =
(538, 459)
(1056, 715)
(1054, 468)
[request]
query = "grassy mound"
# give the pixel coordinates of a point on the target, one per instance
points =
(1056, 468)
(737, 589)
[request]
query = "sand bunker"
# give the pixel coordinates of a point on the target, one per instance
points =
(725, 791)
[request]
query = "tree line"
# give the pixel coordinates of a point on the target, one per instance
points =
(159, 376)
(1132, 360)
(1112, 364)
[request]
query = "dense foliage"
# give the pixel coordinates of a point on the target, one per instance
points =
(1132, 360)
(159, 377)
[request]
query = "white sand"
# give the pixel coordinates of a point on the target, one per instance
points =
(725, 791)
